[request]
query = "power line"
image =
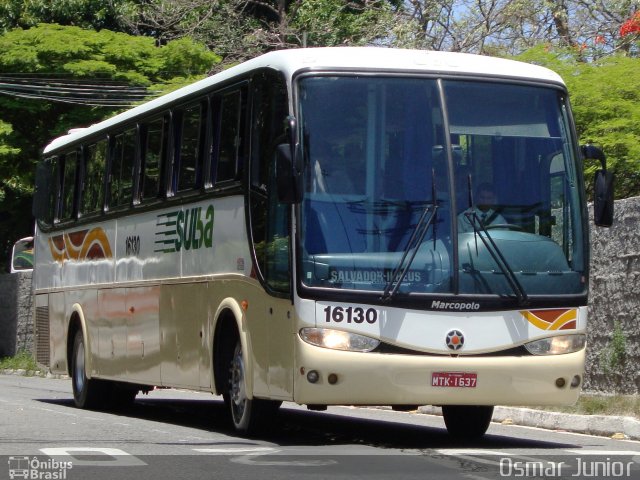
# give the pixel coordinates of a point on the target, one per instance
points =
(79, 92)
(111, 102)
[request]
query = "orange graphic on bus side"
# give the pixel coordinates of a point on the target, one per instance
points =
(82, 245)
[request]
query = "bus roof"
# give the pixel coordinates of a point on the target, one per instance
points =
(338, 58)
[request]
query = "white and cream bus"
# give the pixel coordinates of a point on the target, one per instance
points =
(309, 226)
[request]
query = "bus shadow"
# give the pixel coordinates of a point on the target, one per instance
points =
(296, 427)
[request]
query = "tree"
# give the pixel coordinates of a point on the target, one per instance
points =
(56, 78)
(630, 35)
(242, 29)
(606, 104)
(93, 14)
(590, 27)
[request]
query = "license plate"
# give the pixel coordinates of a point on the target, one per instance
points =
(454, 379)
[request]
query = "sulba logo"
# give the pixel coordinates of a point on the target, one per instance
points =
(194, 230)
(437, 304)
(188, 229)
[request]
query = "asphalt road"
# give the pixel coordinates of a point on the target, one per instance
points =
(185, 435)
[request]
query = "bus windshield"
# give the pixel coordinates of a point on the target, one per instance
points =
(493, 163)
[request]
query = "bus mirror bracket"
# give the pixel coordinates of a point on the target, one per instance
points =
(602, 188)
(288, 171)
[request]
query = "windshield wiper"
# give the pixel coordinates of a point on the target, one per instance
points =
(497, 256)
(413, 245)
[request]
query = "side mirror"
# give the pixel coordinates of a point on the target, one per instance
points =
(603, 199)
(602, 188)
(288, 173)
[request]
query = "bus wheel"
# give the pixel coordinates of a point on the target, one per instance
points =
(467, 422)
(87, 393)
(249, 416)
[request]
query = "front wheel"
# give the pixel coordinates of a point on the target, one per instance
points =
(249, 416)
(467, 422)
(87, 393)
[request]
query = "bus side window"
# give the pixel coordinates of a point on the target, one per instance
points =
(188, 166)
(153, 143)
(558, 224)
(68, 187)
(122, 166)
(94, 170)
(269, 219)
(228, 130)
(45, 196)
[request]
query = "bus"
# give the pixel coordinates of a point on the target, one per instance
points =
(22, 255)
(290, 230)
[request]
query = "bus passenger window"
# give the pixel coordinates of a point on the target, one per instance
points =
(122, 163)
(68, 187)
(45, 194)
(154, 148)
(189, 140)
(95, 165)
(229, 136)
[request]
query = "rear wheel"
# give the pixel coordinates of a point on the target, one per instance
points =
(87, 393)
(467, 422)
(249, 416)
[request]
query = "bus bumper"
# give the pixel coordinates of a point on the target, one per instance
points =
(396, 379)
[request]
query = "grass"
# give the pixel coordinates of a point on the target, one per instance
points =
(600, 404)
(22, 360)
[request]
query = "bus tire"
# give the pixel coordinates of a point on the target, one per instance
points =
(467, 422)
(249, 416)
(87, 393)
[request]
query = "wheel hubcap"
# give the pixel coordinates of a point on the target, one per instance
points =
(236, 384)
(78, 373)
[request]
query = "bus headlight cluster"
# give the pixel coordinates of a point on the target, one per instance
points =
(338, 340)
(557, 345)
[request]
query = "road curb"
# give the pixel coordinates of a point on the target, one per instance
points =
(618, 427)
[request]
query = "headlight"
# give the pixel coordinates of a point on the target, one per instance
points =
(338, 340)
(557, 345)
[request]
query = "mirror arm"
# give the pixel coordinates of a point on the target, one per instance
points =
(590, 151)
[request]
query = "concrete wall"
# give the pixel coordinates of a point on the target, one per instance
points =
(16, 313)
(613, 352)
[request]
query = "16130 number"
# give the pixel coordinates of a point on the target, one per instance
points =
(350, 315)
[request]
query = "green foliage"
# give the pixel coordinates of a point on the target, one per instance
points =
(186, 58)
(335, 22)
(22, 360)
(613, 357)
(597, 404)
(605, 97)
(96, 14)
(72, 54)
(55, 49)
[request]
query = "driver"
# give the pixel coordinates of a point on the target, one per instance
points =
(484, 208)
